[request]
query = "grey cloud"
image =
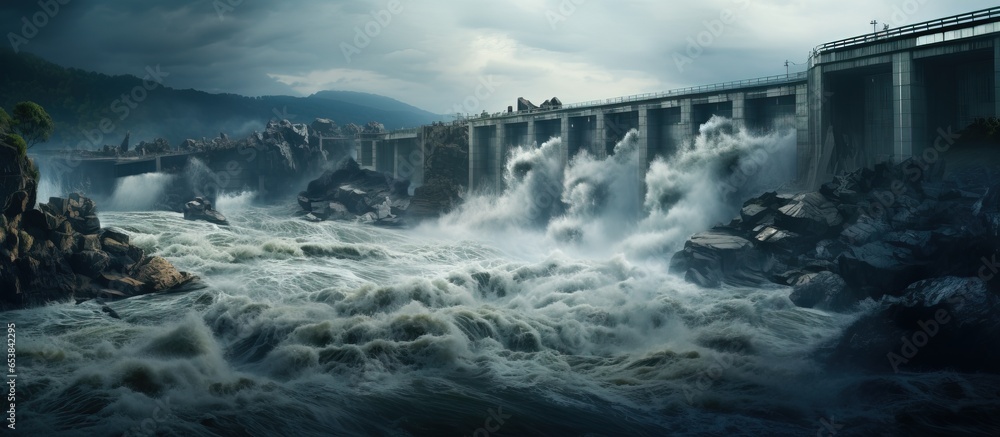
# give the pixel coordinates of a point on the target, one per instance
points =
(434, 52)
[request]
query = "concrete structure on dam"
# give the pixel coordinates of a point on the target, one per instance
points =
(664, 121)
(888, 95)
(876, 97)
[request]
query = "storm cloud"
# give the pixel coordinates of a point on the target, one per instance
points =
(437, 54)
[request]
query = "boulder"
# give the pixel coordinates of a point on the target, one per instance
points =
(90, 263)
(201, 209)
(864, 230)
(86, 225)
(324, 127)
(809, 214)
(941, 324)
(88, 242)
(159, 275)
(987, 210)
(715, 257)
(116, 235)
(881, 268)
(823, 290)
(17, 204)
(123, 284)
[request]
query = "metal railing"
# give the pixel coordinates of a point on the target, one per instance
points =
(985, 15)
(760, 81)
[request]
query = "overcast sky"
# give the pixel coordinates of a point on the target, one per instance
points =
(437, 54)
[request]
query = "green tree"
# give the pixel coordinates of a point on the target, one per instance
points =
(32, 123)
(5, 121)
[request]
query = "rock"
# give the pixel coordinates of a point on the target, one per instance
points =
(987, 210)
(188, 144)
(159, 275)
(89, 263)
(26, 242)
(113, 247)
(116, 235)
(110, 312)
(17, 204)
(88, 242)
(434, 198)
(940, 325)
(66, 242)
(714, 257)
(778, 239)
(35, 219)
(865, 230)
(201, 209)
(337, 211)
(123, 148)
(87, 225)
(824, 290)
(324, 127)
(809, 214)
(881, 268)
(355, 190)
(123, 284)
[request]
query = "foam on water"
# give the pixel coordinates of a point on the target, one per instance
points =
(345, 329)
(138, 193)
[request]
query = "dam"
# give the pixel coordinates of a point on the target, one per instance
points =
(884, 96)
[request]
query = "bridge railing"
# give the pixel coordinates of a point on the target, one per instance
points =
(990, 14)
(761, 81)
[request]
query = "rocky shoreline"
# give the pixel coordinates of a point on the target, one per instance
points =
(59, 252)
(922, 247)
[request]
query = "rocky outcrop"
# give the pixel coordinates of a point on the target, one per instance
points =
(446, 171)
(353, 193)
(59, 250)
(868, 234)
(201, 209)
(943, 323)
(923, 248)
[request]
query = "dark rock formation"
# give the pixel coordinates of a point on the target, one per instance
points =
(446, 171)
(553, 103)
(867, 234)
(201, 209)
(922, 246)
(353, 193)
(59, 251)
(944, 323)
(524, 104)
(123, 147)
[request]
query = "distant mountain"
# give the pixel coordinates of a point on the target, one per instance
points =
(79, 100)
(376, 101)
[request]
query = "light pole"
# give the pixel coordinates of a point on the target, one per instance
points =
(874, 23)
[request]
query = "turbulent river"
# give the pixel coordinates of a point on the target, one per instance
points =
(516, 315)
